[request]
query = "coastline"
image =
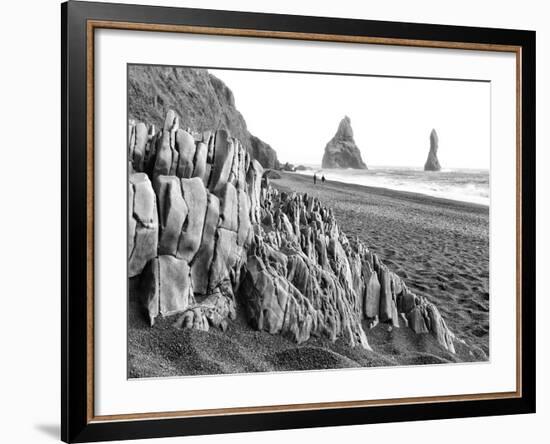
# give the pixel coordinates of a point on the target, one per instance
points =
(389, 192)
(446, 184)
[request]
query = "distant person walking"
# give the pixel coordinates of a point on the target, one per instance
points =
(314, 179)
(323, 179)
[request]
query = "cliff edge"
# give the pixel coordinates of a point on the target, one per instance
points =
(200, 99)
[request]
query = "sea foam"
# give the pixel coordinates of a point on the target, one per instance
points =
(466, 185)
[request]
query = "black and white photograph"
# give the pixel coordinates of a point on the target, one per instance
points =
(275, 222)
(287, 221)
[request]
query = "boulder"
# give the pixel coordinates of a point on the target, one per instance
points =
(214, 310)
(167, 286)
(143, 223)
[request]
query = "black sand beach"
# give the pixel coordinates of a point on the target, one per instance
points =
(440, 248)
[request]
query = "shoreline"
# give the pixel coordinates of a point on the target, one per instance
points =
(389, 191)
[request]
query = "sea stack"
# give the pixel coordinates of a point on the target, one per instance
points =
(341, 151)
(432, 163)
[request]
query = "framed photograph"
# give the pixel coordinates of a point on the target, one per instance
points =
(275, 221)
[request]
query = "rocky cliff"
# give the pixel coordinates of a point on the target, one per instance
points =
(202, 101)
(341, 151)
(206, 231)
(432, 162)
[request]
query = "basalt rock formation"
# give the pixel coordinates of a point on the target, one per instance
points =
(153, 90)
(287, 166)
(432, 163)
(341, 151)
(207, 230)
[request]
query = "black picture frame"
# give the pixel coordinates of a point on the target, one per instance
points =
(76, 423)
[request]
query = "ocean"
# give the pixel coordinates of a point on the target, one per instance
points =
(466, 185)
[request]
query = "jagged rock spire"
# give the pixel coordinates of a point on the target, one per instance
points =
(432, 162)
(341, 151)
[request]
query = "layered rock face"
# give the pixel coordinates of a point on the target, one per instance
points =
(197, 185)
(207, 230)
(341, 151)
(156, 89)
(432, 162)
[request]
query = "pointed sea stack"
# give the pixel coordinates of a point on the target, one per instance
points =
(432, 163)
(341, 151)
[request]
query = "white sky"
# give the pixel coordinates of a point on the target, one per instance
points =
(297, 114)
